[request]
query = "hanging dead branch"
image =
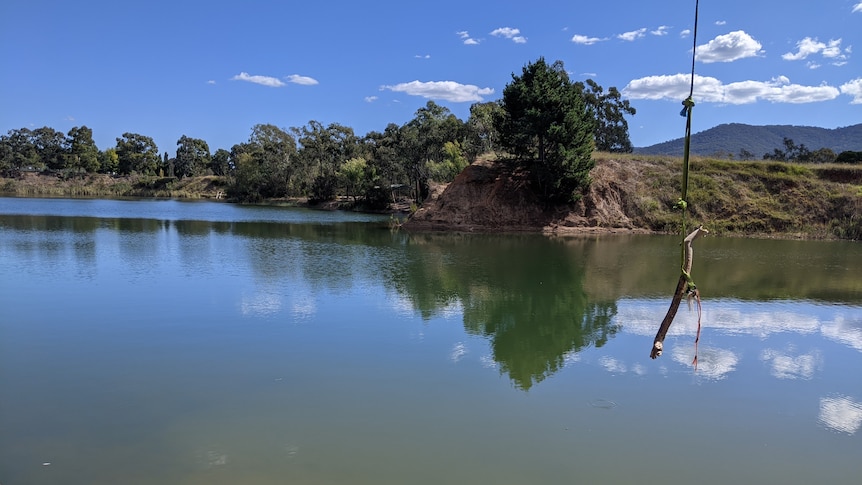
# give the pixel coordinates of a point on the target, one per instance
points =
(683, 287)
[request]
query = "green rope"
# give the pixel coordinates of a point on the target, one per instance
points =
(687, 104)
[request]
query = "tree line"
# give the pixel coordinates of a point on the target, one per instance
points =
(802, 154)
(544, 121)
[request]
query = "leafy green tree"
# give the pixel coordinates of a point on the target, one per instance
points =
(322, 151)
(791, 153)
(167, 167)
(453, 163)
(849, 156)
(220, 162)
(422, 140)
(482, 133)
(50, 147)
(82, 154)
(546, 124)
(386, 162)
(356, 174)
(137, 154)
(263, 167)
(823, 155)
(18, 152)
(609, 109)
(193, 157)
(109, 161)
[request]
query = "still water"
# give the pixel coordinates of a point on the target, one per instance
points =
(177, 342)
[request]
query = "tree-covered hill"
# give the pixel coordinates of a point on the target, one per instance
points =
(737, 138)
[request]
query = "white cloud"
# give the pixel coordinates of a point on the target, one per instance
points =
(633, 35)
(720, 22)
(857, 7)
(584, 40)
(841, 413)
(729, 47)
(303, 80)
(710, 89)
(443, 90)
(660, 31)
(420, 56)
(685, 33)
(853, 88)
(272, 82)
(211, 81)
(809, 47)
(467, 39)
(510, 33)
(370, 99)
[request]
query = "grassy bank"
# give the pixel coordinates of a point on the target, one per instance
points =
(106, 186)
(759, 198)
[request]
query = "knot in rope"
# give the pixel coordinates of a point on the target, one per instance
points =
(687, 105)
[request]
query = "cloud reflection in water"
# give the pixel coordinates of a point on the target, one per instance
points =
(841, 413)
(783, 365)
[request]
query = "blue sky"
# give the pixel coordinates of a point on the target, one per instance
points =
(214, 69)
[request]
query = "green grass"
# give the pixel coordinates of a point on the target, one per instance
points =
(749, 198)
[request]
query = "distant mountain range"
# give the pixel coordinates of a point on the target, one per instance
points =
(733, 138)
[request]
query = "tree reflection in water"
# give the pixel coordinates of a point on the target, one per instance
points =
(525, 294)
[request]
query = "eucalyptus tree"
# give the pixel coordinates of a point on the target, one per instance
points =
(482, 134)
(82, 154)
(356, 174)
(263, 167)
(137, 154)
(609, 109)
(220, 162)
(423, 141)
(546, 123)
(109, 161)
(386, 162)
(452, 164)
(49, 144)
(323, 149)
(381, 150)
(18, 152)
(193, 157)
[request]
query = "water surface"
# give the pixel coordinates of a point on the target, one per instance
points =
(202, 342)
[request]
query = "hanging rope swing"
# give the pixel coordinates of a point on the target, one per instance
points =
(685, 285)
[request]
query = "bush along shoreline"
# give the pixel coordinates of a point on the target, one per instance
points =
(627, 192)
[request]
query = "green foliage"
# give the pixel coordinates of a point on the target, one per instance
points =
(849, 157)
(109, 161)
(482, 134)
(220, 162)
(422, 141)
(609, 110)
(546, 124)
(18, 152)
(81, 151)
(322, 150)
(452, 164)
(263, 166)
(356, 174)
(137, 154)
(193, 157)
